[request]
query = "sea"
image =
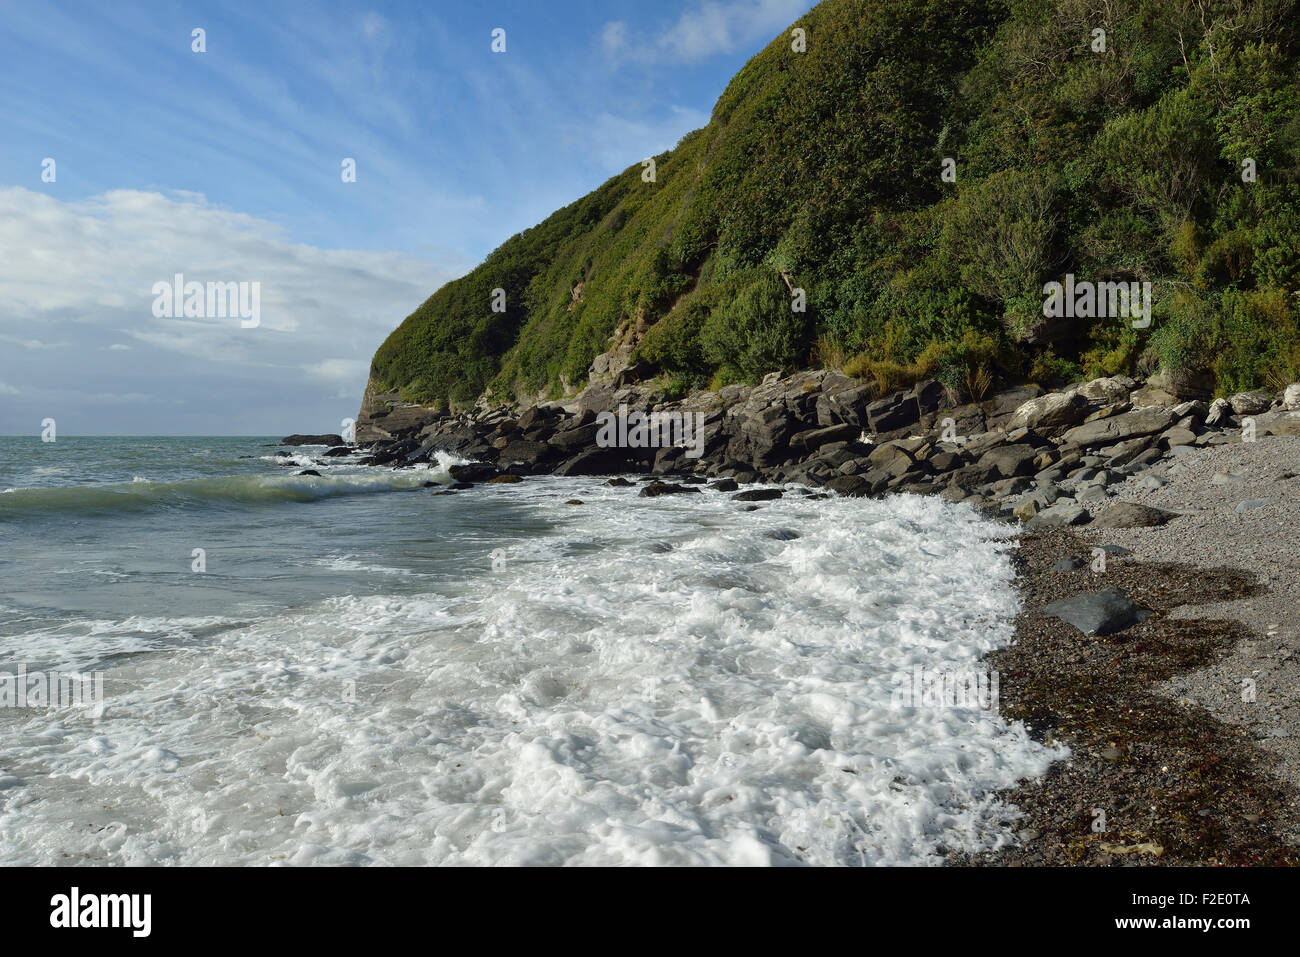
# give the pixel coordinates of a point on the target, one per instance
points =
(352, 670)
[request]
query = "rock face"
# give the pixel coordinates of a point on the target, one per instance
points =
(387, 416)
(1098, 612)
(1045, 459)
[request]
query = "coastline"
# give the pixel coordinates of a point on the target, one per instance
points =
(1165, 744)
(1176, 784)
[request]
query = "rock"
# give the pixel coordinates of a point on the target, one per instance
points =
(725, 485)
(1098, 612)
(1069, 563)
(757, 495)
(1052, 410)
(1010, 460)
(1183, 384)
(1121, 428)
(1063, 512)
(1250, 403)
(535, 416)
(1176, 436)
(460, 486)
(594, 461)
(1133, 515)
(473, 472)
(525, 452)
(297, 439)
(851, 485)
(1250, 504)
(508, 478)
(1107, 391)
(813, 439)
(1291, 397)
(1025, 509)
(1220, 410)
(308, 472)
(892, 412)
(656, 489)
(574, 501)
(619, 483)
(892, 458)
(337, 451)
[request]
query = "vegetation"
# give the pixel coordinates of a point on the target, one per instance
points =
(820, 171)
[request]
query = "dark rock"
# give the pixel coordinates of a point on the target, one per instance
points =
(473, 472)
(1098, 612)
(620, 483)
(812, 439)
(893, 412)
(296, 439)
(308, 472)
(337, 451)
(508, 478)
(1069, 563)
(656, 489)
(725, 485)
(757, 495)
(851, 485)
(596, 461)
(525, 452)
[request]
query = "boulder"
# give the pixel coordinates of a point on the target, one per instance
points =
(1291, 397)
(1064, 512)
(893, 412)
(757, 495)
(656, 489)
(297, 439)
(1102, 612)
(1105, 391)
(1121, 428)
(1049, 411)
(812, 439)
(1220, 410)
(1250, 403)
(1133, 515)
(1010, 460)
(472, 472)
(851, 485)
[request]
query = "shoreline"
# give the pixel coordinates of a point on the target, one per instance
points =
(1184, 769)
(1177, 786)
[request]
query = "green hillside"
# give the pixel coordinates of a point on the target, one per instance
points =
(821, 170)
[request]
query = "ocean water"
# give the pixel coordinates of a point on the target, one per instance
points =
(366, 673)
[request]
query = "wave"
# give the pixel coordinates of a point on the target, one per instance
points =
(232, 490)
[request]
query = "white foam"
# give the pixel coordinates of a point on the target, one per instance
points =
(661, 681)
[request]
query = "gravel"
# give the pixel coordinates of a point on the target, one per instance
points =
(1241, 508)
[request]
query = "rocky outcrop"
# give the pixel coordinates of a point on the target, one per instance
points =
(1044, 459)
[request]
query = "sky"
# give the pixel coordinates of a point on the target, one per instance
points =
(128, 157)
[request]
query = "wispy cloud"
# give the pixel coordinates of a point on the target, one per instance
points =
(714, 27)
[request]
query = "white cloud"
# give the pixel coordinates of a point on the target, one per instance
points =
(7, 389)
(80, 275)
(715, 26)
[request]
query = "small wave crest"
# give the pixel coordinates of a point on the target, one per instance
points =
(225, 491)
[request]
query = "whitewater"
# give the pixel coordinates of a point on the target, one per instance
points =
(368, 673)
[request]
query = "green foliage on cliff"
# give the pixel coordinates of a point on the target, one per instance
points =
(821, 170)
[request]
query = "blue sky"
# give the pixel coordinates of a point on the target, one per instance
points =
(225, 166)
